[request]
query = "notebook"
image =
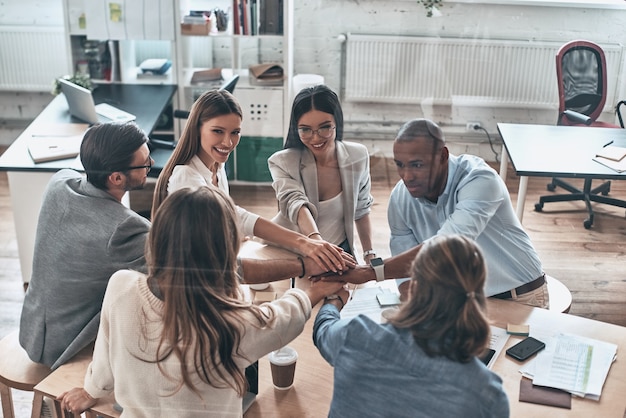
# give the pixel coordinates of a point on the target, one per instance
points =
(52, 149)
(52, 142)
(612, 152)
(81, 105)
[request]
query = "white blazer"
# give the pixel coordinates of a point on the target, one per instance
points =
(294, 175)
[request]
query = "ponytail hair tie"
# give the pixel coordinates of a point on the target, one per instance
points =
(470, 295)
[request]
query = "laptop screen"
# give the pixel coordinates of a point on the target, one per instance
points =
(80, 101)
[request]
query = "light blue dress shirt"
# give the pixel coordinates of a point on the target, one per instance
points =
(381, 372)
(476, 204)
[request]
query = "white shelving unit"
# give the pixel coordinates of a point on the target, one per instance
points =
(124, 37)
(156, 32)
(266, 109)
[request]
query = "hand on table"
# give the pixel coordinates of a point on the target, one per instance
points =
(76, 401)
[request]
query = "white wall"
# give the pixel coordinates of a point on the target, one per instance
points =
(318, 23)
(318, 50)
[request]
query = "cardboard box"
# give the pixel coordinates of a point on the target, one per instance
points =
(195, 29)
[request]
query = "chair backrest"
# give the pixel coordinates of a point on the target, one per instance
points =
(581, 78)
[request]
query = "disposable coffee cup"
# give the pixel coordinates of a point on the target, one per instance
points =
(283, 365)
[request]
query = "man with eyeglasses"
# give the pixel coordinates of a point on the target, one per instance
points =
(442, 194)
(84, 235)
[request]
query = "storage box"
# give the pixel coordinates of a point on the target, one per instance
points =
(195, 28)
(262, 110)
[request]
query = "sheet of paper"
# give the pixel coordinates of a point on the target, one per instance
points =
(576, 364)
(619, 166)
(363, 301)
(499, 337)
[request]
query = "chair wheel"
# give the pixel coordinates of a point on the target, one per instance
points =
(538, 207)
(551, 187)
(587, 223)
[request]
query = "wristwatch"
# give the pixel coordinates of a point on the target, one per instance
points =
(379, 268)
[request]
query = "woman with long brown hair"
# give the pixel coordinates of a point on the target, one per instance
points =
(176, 342)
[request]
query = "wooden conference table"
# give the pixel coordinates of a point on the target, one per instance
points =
(27, 180)
(555, 151)
(312, 391)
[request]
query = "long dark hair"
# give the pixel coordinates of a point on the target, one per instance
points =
(211, 104)
(320, 98)
(446, 309)
(194, 263)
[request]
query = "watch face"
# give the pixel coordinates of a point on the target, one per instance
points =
(375, 262)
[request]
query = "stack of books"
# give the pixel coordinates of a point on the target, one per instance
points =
(197, 22)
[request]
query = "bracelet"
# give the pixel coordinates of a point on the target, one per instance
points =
(303, 269)
(334, 297)
(369, 252)
(313, 233)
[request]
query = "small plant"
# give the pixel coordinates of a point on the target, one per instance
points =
(79, 79)
(429, 5)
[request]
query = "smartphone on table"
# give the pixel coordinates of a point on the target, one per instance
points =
(525, 349)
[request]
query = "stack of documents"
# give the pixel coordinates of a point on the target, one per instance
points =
(575, 364)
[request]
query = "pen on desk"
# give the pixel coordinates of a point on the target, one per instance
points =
(607, 144)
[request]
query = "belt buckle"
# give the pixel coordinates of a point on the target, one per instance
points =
(513, 294)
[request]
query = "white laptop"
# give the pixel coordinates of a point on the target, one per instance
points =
(81, 105)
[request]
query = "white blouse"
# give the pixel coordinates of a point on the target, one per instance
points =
(195, 174)
(330, 220)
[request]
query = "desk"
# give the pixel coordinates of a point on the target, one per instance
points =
(556, 151)
(27, 180)
(312, 391)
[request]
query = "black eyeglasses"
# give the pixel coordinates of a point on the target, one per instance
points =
(136, 167)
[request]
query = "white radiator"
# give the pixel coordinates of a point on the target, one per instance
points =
(31, 57)
(404, 69)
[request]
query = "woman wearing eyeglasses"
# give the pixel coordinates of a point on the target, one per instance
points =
(212, 132)
(322, 183)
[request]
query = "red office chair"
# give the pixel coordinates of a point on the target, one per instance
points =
(581, 78)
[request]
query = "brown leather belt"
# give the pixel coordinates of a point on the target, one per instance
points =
(525, 288)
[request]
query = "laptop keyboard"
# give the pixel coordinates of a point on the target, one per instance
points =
(113, 113)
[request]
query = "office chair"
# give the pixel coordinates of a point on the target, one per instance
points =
(619, 113)
(161, 150)
(582, 84)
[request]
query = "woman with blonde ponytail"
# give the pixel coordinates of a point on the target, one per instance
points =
(423, 362)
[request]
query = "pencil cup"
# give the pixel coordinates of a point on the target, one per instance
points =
(283, 365)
